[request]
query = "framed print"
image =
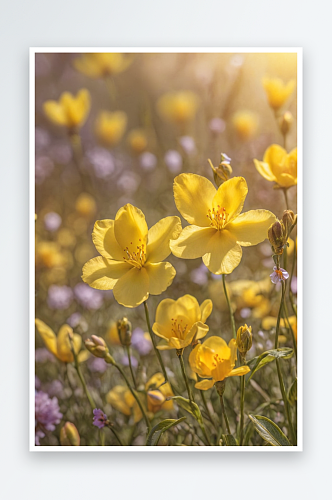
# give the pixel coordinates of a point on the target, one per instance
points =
(166, 249)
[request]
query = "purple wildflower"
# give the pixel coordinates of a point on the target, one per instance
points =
(278, 275)
(47, 414)
(102, 161)
(188, 144)
(88, 297)
(74, 319)
(52, 221)
(173, 161)
(59, 297)
(200, 275)
(217, 126)
(99, 418)
(43, 168)
(125, 361)
(141, 342)
(43, 355)
(148, 161)
(97, 365)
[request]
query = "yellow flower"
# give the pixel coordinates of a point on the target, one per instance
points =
(219, 229)
(48, 254)
(177, 107)
(59, 345)
(112, 335)
(122, 400)
(85, 205)
(131, 256)
(178, 322)
(215, 360)
(245, 124)
(270, 322)
(278, 166)
(69, 111)
(277, 91)
(110, 127)
(137, 140)
(102, 64)
(157, 392)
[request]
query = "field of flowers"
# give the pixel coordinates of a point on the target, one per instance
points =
(166, 277)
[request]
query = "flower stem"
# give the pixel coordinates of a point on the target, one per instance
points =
(80, 375)
(179, 353)
(242, 404)
(154, 341)
(286, 198)
(130, 365)
(291, 297)
(207, 410)
(279, 314)
(115, 434)
(135, 396)
(229, 307)
(223, 413)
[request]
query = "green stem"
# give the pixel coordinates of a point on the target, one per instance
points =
(223, 413)
(184, 375)
(115, 434)
(135, 396)
(284, 397)
(207, 410)
(286, 198)
(130, 365)
(279, 315)
(291, 329)
(80, 375)
(229, 307)
(291, 297)
(154, 341)
(242, 407)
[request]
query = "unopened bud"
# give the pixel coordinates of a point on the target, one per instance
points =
(97, 346)
(124, 331)
(289, 220)
(224, 170)
(220, 386)
(286, 122)
(244, 339)
(69, 435)
(277, 237)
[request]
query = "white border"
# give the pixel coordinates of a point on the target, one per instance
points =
(184, 449)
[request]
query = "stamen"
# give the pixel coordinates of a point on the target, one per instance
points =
(136, 259)
(218, 217)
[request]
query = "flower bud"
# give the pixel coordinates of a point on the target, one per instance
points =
(244, 339)
(224, 170)
(289, 220)
(286, 122)
(277, 237)
(97, 346)
(124, 331)
(69, 435)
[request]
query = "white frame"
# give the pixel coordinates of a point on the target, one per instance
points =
(180, 449)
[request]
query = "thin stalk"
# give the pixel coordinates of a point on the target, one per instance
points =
(115, 434)
(80, 375)
(284, 397)
(242, 408)
(184, 375)
(229, 307)
(207, 410)
(291, 329)
(286, 198)
(101, 437)
(279, 315)
(154, 341)
(130, 365)
(135, 396)
(291, 297)
(223, 413)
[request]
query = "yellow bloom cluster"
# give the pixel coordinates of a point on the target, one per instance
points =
(69, 111)
(278, 166)
(98, 65)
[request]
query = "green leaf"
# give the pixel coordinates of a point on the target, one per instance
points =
(159, 429)
(259, 361)
(292, 393)
(229, 440)
(269, 431)
(190, 407)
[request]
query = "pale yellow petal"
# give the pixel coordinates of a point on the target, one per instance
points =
(83, 356)
(223, 253)
(161, 275)
(103, 274)
(193, 195)
(265, 170)
(64, 346)
(47, 335)
(231, 195)
(132, 288)
(250, 228)
(193, 242)
(287, 180)
(201, 330)
(219, 346)
(241, 370)
(130, 228)
(55, 112)
(159, 236)
(204, 385)
(206, 309)
(104, 240)
(233, 351)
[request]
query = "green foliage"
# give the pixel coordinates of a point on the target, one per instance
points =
(266, 357)
(157, 431)
(269, 431)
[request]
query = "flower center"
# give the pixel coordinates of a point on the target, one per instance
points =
(218, 217)
(135, 257)
(178, 329)
(279, 273)
(217, 360)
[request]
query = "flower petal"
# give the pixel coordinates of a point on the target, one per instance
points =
(47, 335)
(193, 242)
(130, 228)
(132, 288)
(250, 228)
(204, 385)
(64, 346)
(103, 274)
(265, 170)
(104, 240)
(286, 180)
(193, 195)
(231, 195)
(55, 112)
(218, 346)
(161, 275)
(241, 370)
(233, 349)
(223, 253)
(159, 236)
(206, 309)
(201, 330)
